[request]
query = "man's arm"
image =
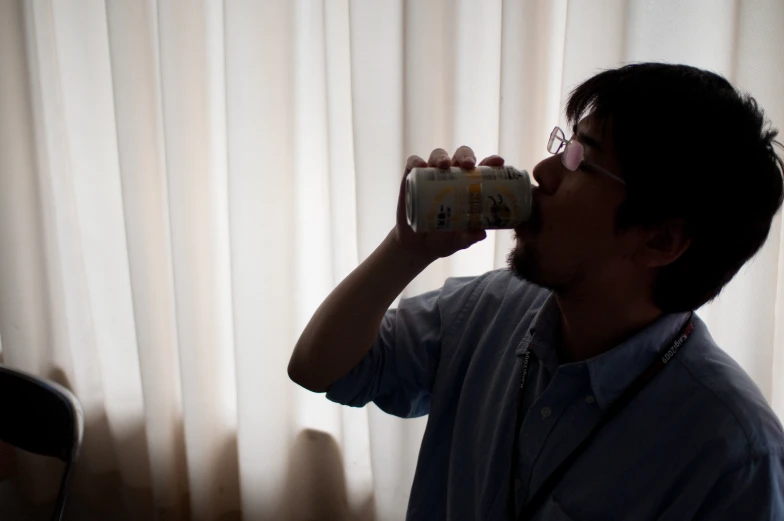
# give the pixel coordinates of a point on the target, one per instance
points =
(343, 328)
(751, 492)
(345, 325)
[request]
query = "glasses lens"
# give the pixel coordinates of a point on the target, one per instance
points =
(573, 155)
(556, 141)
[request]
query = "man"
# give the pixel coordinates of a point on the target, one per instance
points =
(628, 409)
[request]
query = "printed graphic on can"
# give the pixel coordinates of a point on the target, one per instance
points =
(457, 200)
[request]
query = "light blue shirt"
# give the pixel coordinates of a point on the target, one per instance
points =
(699, 442)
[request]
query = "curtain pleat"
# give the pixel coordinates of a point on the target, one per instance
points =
(135, 61)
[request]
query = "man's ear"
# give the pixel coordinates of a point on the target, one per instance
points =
(664, 244)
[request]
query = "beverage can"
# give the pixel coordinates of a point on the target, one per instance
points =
(485, 198)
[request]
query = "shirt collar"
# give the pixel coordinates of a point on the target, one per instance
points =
(612, 371)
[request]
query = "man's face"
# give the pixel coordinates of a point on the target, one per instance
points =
(571, 240)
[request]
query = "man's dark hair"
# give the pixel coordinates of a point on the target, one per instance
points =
(691, 147)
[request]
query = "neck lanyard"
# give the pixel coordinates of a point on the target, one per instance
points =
(530, 508)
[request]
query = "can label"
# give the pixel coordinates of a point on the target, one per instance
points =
(458, 200)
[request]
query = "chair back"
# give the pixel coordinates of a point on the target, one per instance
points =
(42, 417)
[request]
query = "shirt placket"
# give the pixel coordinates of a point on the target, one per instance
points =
(538, 424)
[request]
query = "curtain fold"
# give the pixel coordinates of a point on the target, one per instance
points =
(183, 182)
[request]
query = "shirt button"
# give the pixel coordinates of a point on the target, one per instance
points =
(590, 399)
(546, 412)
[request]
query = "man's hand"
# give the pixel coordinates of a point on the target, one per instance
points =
(431, 246)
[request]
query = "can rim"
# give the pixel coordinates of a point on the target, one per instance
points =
(410, 210)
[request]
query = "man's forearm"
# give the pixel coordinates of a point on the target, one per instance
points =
(344, 327)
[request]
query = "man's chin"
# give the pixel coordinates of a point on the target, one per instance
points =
(521, 262)
(524, 262)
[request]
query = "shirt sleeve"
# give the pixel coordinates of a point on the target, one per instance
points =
(397, 373)
(752, 492)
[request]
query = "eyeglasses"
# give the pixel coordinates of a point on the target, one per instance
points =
(573, 153)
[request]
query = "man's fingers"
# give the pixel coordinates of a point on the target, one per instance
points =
(439, 158)
(414, 162)
(492, 161)
(464, 158)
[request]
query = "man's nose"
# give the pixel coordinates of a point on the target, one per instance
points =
(548, 174)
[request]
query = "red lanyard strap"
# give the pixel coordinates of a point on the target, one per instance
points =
(633, 390)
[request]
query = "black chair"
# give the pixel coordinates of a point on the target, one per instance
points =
(44, 418)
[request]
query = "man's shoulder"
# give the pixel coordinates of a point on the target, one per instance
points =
(728, 398)
(476, 301)
(498, 285)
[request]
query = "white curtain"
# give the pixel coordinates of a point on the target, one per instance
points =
(182, 182)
